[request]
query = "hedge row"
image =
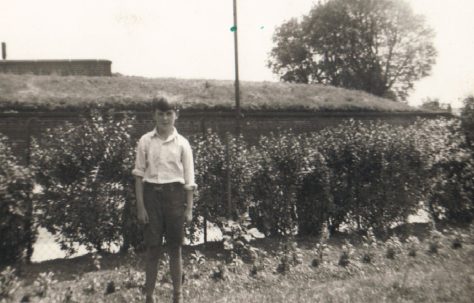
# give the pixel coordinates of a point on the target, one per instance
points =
(371, 175)
(365, 174)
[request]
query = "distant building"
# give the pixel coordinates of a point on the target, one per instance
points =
(57, 67)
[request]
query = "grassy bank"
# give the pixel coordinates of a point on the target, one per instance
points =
(443, 276)
(28, 92)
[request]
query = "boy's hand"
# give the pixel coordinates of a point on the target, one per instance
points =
(142, 215)
(188, 215)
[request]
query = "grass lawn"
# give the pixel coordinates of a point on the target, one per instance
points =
(445, 276)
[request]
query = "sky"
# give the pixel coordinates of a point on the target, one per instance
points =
(193, 39)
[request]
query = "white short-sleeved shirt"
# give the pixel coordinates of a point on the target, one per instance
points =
(165, 161)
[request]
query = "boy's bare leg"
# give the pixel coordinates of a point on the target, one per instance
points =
(176, 268)
(151, 271)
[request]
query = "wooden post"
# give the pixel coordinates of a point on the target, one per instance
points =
(203, 130)
(29, 210)
(228, 176)
(205, 227)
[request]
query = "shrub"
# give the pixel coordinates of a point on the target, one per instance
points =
(209, 155)
(85, 172)
(289, 254)
(217, 162)
(393, 247)
(434, 243)
(369, 243)
(376, 173)
(43, 284)
(9, 283)
(467, 118)
(237, 238)
(412, 245)
(451, 169)
(347, 251)
(280, 163)
(457, 239)
(314, 202)
(16, 223)
(321, 247)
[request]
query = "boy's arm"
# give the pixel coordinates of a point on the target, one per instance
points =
(141, 211)
(189, 183)
(138, 172)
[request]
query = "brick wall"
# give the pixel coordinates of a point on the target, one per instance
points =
(58, 67)
(21, 127)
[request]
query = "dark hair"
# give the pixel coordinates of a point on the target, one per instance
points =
(162, 104)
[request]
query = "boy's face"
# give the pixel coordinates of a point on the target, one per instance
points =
(165, 119)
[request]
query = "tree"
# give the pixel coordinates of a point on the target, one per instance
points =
(433, 104)
(379, 46)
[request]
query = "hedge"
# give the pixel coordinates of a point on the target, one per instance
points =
(365, 175)
(17, 230)
(85, 173)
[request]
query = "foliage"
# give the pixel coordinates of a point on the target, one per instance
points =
(433, 104)
(237, 238)
(434, 243)
(376, 173)
(289, 255)
(347, 251)
(314, 202)
(467, 118)
(220, 273)
(457, 239)
(96, 259)
(430, 278)
(372, 174)
(43, 283)
(393, 247)
(17, 231)
(281, 161)
(219, 163)
(412, 244)
(450, 165)
(321, 247)
(84, 170)
(380, 47)
(9, 283)
(196, 260)
(369, 245)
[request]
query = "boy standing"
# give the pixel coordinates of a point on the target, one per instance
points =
(164, 185)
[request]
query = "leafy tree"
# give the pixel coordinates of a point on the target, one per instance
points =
(379, 46)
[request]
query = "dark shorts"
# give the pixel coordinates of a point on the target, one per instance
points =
(165, 205)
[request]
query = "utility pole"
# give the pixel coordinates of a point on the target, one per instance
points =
(237, 84)
(237, 115)
(4, 51)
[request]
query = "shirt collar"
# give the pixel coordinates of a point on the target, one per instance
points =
(173, 135)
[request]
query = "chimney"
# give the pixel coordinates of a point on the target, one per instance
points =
(4, 51)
